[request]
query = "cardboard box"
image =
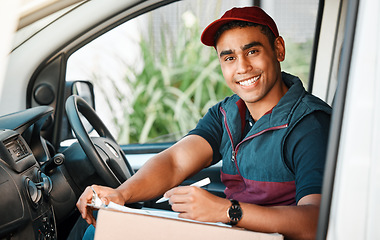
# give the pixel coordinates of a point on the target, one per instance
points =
(113, 224)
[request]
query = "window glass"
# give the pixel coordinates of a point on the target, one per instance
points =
(296, 20)
(154, 79)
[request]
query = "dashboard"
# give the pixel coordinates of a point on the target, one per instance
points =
(39, 184)
(25, 190)
(26, 208)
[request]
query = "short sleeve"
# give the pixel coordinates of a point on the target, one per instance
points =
(305, 153)
(210, 128)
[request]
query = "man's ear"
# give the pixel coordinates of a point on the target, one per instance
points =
(279, 47)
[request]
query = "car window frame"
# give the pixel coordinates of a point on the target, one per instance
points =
(337, 120)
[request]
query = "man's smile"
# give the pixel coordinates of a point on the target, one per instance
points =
(249, 81)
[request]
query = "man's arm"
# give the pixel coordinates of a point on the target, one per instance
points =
(294, 222)
(164, 171)
(168, 169)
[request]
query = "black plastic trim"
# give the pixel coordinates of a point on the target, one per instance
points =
(313, 61)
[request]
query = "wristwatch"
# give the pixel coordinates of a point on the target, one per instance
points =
(234, 213)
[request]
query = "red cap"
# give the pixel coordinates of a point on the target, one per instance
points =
(247, 14)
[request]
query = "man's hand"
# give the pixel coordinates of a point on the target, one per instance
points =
(198, 204)
(106, 194)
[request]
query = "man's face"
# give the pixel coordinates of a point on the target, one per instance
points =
(249, 64)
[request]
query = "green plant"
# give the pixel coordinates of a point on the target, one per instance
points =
(297, 60)
(179, 81)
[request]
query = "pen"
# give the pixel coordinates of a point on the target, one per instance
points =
(200, 183)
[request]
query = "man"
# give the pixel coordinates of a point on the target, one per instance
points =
(271, 136)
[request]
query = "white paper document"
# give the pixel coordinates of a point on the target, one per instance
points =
(97, 203)
(153, 212)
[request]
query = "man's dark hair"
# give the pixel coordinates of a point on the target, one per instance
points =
(242, 24)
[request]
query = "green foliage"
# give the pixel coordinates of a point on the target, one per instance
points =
(180, 80)
(297, 60)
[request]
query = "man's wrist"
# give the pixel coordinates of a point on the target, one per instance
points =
(234, 212)
(123, 194)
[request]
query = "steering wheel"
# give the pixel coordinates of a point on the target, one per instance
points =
(104, 152)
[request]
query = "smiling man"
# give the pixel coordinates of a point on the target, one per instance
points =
(250, 66)
(271, 136)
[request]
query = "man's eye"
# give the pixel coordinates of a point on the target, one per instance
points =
(228, 59)
(252, 51)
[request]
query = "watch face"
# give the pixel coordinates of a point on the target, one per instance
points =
(235, 213)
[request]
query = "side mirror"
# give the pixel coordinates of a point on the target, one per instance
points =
(84, 89)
